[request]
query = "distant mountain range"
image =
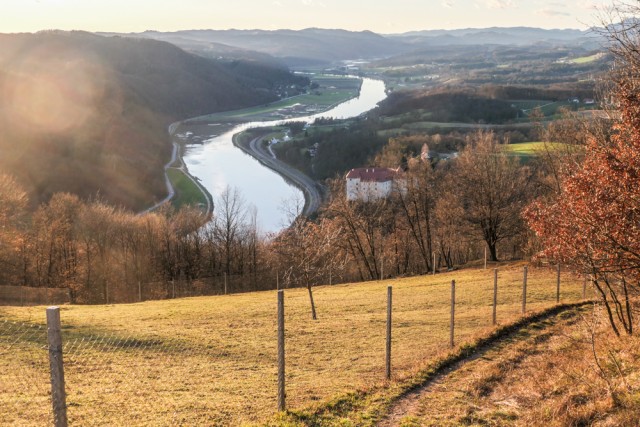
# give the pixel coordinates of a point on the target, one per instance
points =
(494, 35)
(303, 47)
(316, 46)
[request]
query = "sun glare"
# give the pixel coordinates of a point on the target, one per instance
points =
(60, 96)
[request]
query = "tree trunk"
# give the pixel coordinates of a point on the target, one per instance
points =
(313, 306)
(492, 252)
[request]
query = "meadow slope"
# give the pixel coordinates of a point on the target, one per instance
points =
(212, 360)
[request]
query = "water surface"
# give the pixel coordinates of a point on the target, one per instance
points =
(217, 163)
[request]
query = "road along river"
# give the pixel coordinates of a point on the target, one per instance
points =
(218, 164)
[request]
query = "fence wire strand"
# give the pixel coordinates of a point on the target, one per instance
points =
(24, 374)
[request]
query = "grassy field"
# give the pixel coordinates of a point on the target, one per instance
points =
(529, 104)
(545, 374)
(212, 360)
(587, 59)
(531, 149)
(187, 192)
(331, 90)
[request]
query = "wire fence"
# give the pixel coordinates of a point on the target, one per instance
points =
(24, 374)
(214, 361)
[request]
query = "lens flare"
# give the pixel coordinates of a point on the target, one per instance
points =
(52, 92)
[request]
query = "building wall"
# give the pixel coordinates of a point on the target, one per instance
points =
(367, 190)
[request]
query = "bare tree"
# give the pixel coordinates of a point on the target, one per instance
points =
(492, 188)
(229, 220)
(416, 203)
(363, 226)
(13, 209)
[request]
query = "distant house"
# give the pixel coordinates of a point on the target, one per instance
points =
(368, 184)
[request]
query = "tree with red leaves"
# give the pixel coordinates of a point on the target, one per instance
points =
(593, 223)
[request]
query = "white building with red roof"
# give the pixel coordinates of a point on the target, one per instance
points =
(369, 184)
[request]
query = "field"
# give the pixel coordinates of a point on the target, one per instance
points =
(587, 59)
(544, 374)
(330, 91)
(530, 149)
(187, 192)
(212, 360)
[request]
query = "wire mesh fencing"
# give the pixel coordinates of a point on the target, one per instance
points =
(24, 374)
(213, 361)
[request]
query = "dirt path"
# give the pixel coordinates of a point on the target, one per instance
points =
(456, 387)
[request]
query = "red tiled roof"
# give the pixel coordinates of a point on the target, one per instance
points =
(373, 174)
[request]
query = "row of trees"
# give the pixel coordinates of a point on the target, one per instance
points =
(451, 209)
(106, 254)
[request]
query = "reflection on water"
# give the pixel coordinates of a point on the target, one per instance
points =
(218, 163)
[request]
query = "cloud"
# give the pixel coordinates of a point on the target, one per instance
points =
(591, 5)
(313, 3)
(448, 4)
(499, 4)
(277, 3)
(552, 12)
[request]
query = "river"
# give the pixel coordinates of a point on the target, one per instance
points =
(217, 163)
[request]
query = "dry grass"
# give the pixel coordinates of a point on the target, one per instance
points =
(546, 375)
(212, 360)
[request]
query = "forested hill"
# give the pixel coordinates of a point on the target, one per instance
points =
(449, 106)
(294, 47)
(88, 114)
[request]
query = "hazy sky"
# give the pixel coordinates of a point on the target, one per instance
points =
(382, 16)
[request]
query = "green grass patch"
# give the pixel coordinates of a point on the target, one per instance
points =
(532, 148)
(529, 104)
(330, 91)
(187, 193)
(526, 151)
(587, 59)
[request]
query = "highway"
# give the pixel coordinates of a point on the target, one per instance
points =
(311, 190)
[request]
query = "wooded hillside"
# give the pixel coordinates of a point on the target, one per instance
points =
(88, 114)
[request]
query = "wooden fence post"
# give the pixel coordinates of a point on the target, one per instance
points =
(524, 291)
(453, 312)
(281, 384)
(388, 352)
(495, 295)
(58, 397)
(139, 291)
(558, 285)
(225, 283)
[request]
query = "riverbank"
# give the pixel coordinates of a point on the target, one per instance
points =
(182, 187)
(212, 156)
(331, 92)
(313, 194)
